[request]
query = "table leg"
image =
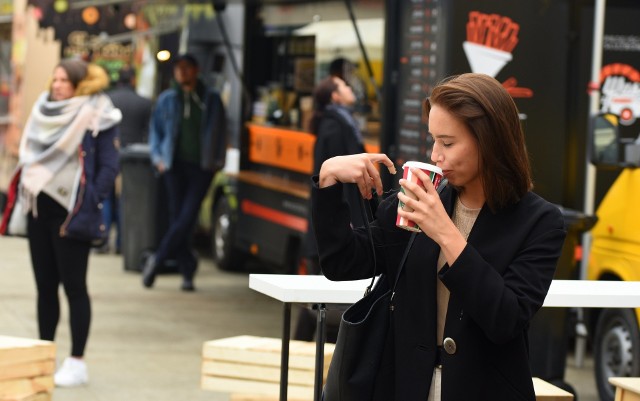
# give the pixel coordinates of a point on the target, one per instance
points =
(320, 339)
(284, 356)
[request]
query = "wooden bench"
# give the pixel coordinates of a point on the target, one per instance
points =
(548, 392)
(248, 367)
(26, 369)
(544, 392)
(627, 388)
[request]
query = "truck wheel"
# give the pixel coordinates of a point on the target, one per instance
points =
(223, 232)
(616, 349)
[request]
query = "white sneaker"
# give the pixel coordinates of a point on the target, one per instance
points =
(72, 373)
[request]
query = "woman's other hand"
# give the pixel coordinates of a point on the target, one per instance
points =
(357, 169)
(430, 215)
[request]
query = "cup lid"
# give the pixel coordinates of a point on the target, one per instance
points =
(423, 166)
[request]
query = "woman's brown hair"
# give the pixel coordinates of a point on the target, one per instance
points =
(322, 95)
(76, 70)
(487, 109)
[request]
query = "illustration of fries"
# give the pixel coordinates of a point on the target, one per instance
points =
(490, 40)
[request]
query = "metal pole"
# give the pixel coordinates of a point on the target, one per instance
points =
(320, 339)
(363, 50)
(590, 169)
(284, 355)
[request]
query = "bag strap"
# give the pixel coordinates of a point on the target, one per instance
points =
(404, 258)
(363, 209)
(366, 216)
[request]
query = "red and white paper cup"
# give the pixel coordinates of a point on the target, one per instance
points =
(434, 172)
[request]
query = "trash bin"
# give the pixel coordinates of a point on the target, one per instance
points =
(549, 330)
(143, 207)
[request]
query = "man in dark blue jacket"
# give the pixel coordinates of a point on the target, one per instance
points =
(188, 142)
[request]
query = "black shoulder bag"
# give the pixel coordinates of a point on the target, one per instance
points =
(362, 336)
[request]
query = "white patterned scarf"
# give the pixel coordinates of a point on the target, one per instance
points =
(51, 141)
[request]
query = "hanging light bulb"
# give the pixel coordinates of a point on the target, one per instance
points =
(90, 15)
(61, 6)
(163, 55)
(130, 21)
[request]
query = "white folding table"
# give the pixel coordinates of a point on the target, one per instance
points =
(319, 291)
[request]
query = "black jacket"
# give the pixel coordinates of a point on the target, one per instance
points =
(136, 112)
(336, 136)
(497, 284)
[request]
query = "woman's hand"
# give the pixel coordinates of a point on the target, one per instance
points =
(160, 167)
(430, 215)
(355, 169)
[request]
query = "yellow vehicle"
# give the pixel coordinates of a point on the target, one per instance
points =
(615, 251)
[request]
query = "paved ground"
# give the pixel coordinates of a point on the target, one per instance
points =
(146, 344)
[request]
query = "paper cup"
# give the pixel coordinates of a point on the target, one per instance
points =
(434, 172)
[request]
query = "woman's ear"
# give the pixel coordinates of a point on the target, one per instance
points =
(335, 97)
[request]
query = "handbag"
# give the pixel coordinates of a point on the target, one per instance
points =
(18, 220)
(362, 335)
(14, 219)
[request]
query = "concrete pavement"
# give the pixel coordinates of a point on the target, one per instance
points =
(146, 344)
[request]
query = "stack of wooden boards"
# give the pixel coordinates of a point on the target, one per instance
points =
(26, 369)
(248, 367)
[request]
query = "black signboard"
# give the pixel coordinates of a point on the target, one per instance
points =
(419, 69)
(524, 45)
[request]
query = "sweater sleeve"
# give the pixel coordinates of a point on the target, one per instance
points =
(157, 131)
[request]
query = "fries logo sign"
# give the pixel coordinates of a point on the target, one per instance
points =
(620, 92)
(490, 40)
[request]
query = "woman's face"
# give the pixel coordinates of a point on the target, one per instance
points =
(61, 87)
(343, 94)
(455, 150)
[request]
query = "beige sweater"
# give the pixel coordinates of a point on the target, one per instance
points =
(463, 218)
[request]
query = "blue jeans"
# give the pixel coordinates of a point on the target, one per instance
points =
(187, 185)
(111, 215)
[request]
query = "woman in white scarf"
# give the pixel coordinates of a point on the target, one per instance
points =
(68, 163)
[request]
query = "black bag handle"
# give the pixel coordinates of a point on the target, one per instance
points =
(365, 216)
(363, 209)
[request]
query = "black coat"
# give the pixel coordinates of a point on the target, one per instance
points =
(100, 167)
(136, 112)
(336, 136)
(497, 284)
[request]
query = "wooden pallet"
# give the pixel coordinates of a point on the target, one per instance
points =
(548, 392)
(249, 367)
(26, 369)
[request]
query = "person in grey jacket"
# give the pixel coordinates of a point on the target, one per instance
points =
(479, 270)
(187, 135)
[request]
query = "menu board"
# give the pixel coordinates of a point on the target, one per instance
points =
(419, 70)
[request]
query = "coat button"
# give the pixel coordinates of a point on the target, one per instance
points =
(100, 205)
(449, 346)
(102, 227)
(83, 153)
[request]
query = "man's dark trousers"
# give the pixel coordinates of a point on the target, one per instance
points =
(187, 185)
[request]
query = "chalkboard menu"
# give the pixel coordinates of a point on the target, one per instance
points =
(419, 70)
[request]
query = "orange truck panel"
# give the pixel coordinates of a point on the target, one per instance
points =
(285, 148)
(279, 147)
